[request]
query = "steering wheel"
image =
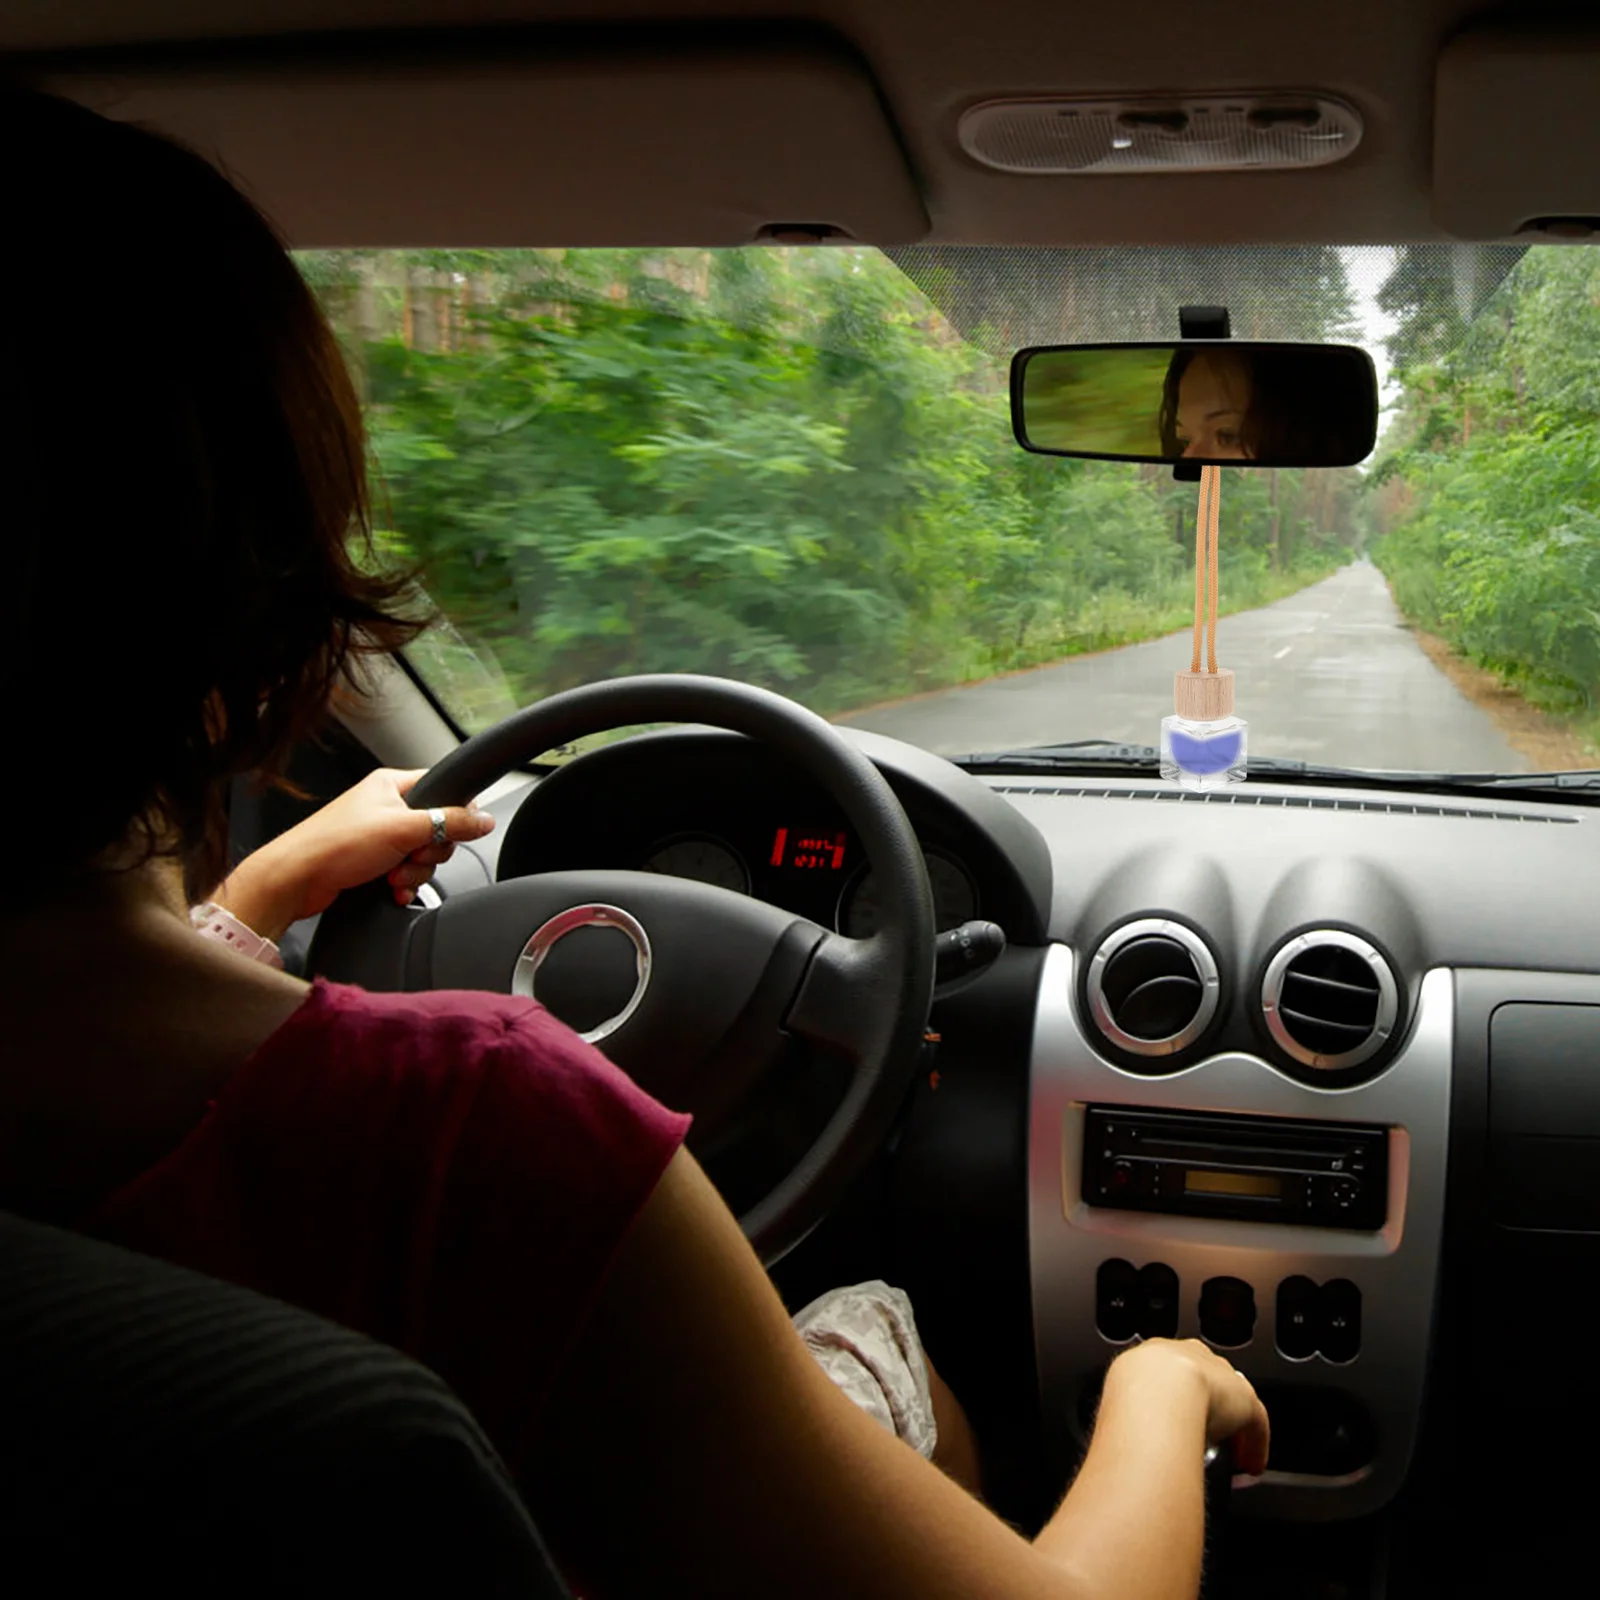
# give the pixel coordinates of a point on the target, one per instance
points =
(729, 995)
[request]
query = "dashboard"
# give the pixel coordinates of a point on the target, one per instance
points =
(1357, 1031)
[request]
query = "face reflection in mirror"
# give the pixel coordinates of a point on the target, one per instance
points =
(1254, 402)
(1213, 406)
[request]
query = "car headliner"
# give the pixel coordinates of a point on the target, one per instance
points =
(699, 121)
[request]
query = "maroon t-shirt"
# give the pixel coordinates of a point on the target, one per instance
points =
(449, 1172)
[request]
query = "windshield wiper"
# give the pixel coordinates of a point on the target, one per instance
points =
(1572, 778)
(1107, 756)
(1101, 754)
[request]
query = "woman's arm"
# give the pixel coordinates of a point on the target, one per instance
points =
(693, 1447)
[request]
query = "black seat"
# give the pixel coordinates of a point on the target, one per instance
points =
(163, 1432)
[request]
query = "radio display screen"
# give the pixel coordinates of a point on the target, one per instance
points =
(1264, 1184)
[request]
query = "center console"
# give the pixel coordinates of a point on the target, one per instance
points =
(1295, 1227)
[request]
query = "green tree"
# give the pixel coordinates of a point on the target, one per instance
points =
(1487, 495)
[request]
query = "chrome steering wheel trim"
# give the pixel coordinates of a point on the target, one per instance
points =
(546, 938)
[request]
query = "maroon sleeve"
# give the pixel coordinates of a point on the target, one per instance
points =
(451, 1173)
(558, 1155)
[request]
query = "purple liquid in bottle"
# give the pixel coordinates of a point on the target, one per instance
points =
(1215, 754)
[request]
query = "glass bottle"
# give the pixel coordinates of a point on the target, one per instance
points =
(1203, 744)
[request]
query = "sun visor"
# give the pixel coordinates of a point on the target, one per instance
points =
(1517, 135)
(703, 146)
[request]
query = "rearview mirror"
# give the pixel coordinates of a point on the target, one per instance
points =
(1221, 402)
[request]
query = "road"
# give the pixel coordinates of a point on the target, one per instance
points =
(1328, 675)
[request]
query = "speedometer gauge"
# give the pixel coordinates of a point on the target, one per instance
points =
(954, 899)
(704, 858)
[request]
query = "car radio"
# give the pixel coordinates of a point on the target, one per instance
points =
(1260, 1169)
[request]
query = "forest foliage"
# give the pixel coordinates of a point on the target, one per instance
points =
(1486, 491)
(786, 466)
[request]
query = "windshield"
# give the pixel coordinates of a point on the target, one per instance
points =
(795, 467)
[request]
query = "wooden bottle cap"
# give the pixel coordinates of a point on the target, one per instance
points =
(1203, 696)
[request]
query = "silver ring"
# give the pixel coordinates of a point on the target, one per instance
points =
(440, 833)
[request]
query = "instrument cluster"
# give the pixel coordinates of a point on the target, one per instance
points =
(724, 811)
(813, 870)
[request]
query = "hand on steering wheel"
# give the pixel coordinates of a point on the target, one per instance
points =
(368, 832)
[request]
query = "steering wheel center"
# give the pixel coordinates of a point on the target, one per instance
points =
(590, 981)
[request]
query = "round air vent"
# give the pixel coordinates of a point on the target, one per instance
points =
(1152, 987)
(1330, 999)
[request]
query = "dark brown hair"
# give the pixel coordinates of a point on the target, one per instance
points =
(187, 563)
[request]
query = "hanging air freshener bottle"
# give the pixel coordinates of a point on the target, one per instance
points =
(1203, 742)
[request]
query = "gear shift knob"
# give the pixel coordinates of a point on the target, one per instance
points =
(1219, 1482)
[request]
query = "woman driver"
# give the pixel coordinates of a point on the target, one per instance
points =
(456, 1174)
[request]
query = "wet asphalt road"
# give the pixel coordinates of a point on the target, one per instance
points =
(1328, 675)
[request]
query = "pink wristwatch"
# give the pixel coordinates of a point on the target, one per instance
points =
(212, 921)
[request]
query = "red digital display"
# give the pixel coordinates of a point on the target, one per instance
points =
(808, 852)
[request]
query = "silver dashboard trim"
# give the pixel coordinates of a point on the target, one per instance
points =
(1396, 1268)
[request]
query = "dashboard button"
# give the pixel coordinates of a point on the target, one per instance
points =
(1117, 1301)
(1227, 1312)
(1339, 1330)
(1298, 1319)
(1158, 1296)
